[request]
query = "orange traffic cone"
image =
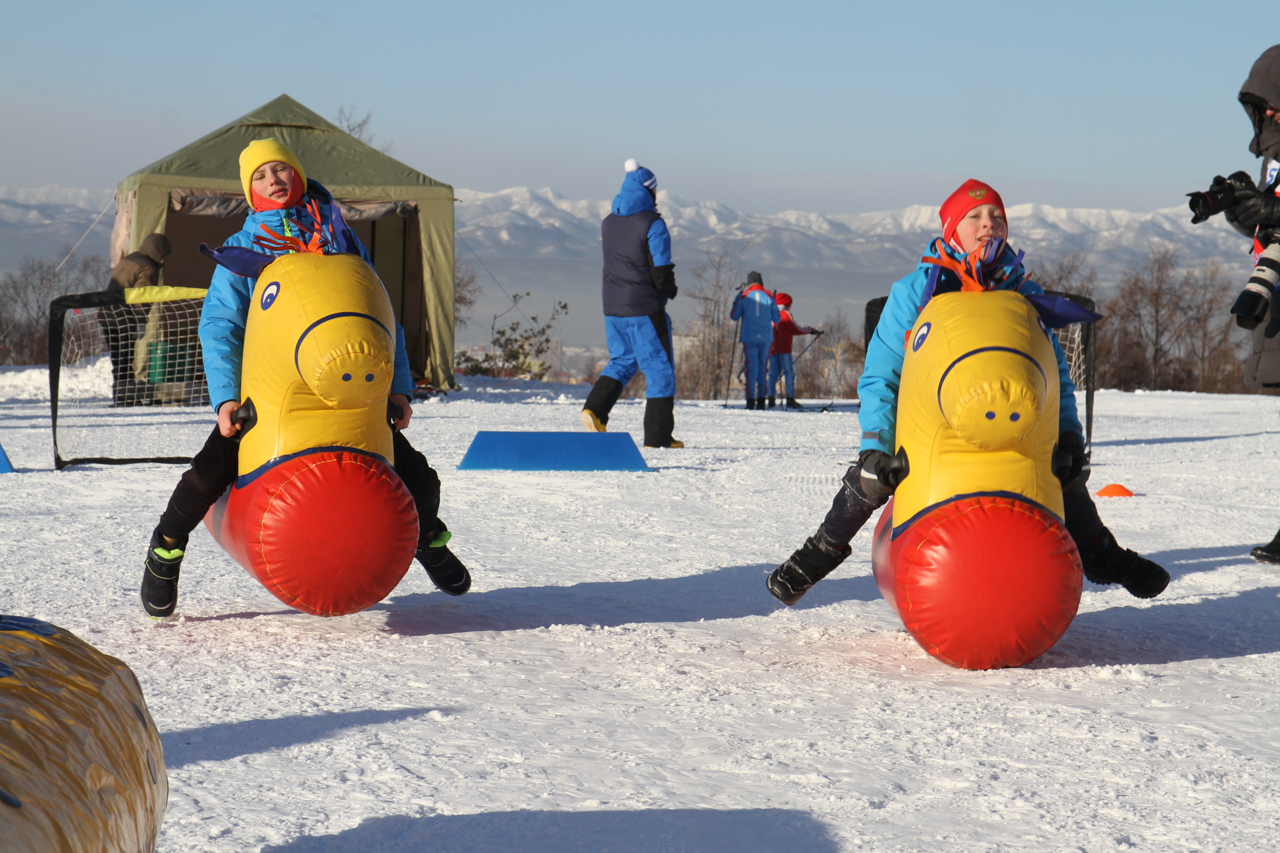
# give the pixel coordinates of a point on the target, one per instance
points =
(1115, 490)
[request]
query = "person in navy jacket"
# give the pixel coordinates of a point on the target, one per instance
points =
(639, 278)
(758, 312)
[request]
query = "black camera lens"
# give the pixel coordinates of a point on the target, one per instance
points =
(1214, 200)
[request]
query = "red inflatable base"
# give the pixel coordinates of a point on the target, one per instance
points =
(330, 533)
(981, 582)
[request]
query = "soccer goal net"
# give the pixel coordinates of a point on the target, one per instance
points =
(126, 376)
(1078, 342)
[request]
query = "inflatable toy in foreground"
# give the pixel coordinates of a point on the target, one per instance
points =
(81, 764)
(971, 552)
(317, 514)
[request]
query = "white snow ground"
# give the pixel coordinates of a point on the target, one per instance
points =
(620, 680)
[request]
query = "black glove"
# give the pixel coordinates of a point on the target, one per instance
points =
(1250, 307)
(881, 473)
(1240, 181)
(1070, 465)
(664, 280)
(1254, 207)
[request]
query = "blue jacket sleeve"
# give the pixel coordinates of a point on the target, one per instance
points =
(402, 381)
(736, 312)
(660, 243)
(222, 322)
(882, 372)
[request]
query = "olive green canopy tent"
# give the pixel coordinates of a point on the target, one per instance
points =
(403, 217)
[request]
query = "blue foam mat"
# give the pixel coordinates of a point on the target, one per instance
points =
(552, 451)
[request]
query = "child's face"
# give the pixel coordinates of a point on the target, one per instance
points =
(273, 180)
(979, 225)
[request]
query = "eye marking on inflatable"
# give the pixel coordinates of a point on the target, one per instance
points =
(991, 416)
(346, 377)
(302, 337)
(921, 334)
(1014, 417)
(368, 377)
(947, 372)
(269, 294)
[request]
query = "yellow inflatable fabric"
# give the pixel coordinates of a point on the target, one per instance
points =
(978, 403)
(81, 764)
(319, 357)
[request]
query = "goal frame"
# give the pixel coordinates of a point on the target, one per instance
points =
(58, 309)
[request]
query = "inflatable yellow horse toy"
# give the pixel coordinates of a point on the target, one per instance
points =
(972, 552)
(317, 513)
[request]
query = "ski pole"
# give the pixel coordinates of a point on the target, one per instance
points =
(733, 348)
(816, 335)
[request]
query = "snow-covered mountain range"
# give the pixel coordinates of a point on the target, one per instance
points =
(539, 241)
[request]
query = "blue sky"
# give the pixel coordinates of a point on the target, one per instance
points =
(833, 107)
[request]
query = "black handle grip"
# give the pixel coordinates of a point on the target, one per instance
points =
(246, 416)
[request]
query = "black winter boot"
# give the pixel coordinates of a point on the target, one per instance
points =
(443, 567)
(1269, 553)
(814, 561)
(160, 576)
(1105, 562)
(792, 404)
(760, 403)
(604, 394)
(773, 402)
(751, 403)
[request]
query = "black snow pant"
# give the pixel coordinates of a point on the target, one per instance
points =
(852, 508)
(214, 468)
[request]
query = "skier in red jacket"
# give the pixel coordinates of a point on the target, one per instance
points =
(780, 352)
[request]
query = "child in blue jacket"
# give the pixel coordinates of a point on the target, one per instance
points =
(278, 191)
(971, 216)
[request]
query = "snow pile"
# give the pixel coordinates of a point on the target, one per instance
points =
(19, 382)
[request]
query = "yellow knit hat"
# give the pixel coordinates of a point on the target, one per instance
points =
(265, 151)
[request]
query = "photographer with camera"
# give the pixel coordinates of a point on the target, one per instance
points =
(1254, 211)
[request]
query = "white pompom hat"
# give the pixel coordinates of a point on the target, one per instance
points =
(646, 177)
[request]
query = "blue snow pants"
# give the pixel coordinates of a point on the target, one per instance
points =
(639, 343)
(757, 353)
(782, 364)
